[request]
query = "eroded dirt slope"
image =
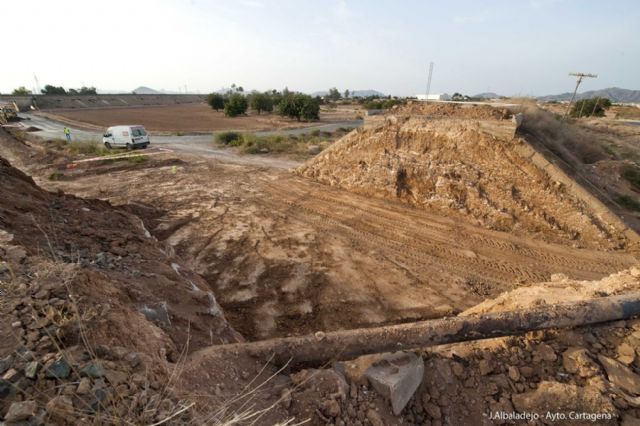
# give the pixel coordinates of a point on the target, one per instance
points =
(465, 164)
(285, 255)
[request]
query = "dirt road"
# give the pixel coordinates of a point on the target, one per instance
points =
(285, 255)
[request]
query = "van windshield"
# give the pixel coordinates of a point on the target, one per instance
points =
(138, 131)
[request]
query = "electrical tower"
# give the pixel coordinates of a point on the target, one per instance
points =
(580, 76)
(429, 81)
(37, 91)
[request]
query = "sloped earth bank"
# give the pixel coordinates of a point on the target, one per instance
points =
(283, 256)
(465, 164)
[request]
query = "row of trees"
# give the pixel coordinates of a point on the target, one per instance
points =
(286, 103)
(56, 90)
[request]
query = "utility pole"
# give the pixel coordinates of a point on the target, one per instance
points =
(35, 77)
(429, 81)
(580, 76)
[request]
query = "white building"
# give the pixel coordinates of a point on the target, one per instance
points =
(434, 97)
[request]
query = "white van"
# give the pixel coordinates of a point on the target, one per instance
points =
(126, 137)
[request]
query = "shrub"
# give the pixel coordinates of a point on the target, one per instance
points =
(235, 105)
(632, 174)
(228, 138)
(299, 106)
(590, 107)
(215, 101)
(382, 103)
(628, 202)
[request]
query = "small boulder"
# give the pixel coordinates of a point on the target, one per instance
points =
(396, 376)
(60, 408)
(31, 369)
(578, 361)
(20, 411)
(621, 375)
(59, 369)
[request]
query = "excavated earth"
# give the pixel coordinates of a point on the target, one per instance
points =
(470, 165)
(181, 253)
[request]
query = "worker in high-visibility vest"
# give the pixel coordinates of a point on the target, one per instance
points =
(67, 134)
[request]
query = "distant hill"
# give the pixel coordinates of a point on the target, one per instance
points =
(354, 93)
(144, 90)
(488, 95)
(615, 94)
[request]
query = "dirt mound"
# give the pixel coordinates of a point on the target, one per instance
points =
(95, 314)
(467, 168)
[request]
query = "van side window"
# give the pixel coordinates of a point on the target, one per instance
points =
(138, 132)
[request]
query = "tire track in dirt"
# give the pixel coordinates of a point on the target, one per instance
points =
(425, 245)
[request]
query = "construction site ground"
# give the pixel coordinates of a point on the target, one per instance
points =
(282, 255)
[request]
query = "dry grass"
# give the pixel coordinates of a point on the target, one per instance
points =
(572, 144)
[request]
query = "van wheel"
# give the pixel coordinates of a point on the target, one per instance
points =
(107, 145)
(129, 147)
(145, 146)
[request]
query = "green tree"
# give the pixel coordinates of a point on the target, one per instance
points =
(84, 90)
(215, 101)
(261, 102)
(236, 104)
(334, 94)
(300, 107)
(590, 107)
(21, 91)
(53, 90)
(346, 94)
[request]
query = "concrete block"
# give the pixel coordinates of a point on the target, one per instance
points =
(396, 376)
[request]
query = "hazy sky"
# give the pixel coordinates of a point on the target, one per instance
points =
(523, 47)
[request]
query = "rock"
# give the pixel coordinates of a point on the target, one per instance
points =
(133, 359)
(5, 363)
(5, 388)
(545, 353)
(620, 375)
(11, 375)
(374, 418)
(527, 371)
(577, 360)
(457, 369)
(486, 366)
(432, 410)
(514, 373)
(92, 369)
(314, 149)
(19, 411)
(559, 277)
(116, 377)
(555, 397)
(31, 369)
(396, 376)
(157, 313)
(84, 387)
(330, 408)
(59, 369)
(98, 400)
(60, 408)
(626, 353)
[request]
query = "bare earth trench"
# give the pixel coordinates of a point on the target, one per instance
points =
(285, 255)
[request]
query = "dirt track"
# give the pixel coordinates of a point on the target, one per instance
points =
(285, 255)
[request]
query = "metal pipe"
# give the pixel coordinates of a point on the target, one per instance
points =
(321, 348)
